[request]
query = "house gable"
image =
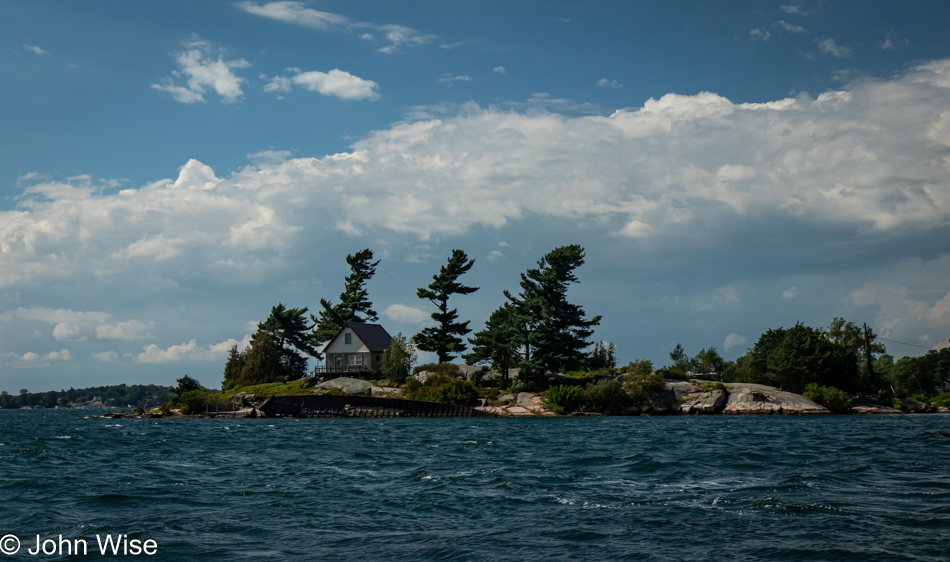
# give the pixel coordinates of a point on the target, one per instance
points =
(364, 338)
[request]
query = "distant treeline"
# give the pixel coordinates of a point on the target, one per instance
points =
(119, 395)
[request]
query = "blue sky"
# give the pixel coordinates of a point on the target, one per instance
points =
(171, 170)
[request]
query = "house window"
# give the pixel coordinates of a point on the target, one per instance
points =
(347, 339)
(356, 360)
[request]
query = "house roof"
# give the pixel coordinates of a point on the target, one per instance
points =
(374, 336)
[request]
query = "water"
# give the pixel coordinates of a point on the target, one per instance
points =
(750, 488)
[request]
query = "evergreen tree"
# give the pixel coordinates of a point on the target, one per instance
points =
(290, 328)
(794, 357)
(354, 305)
(444, 339)
(186, 384)
(262, 362)
(496, 344)
(604, 355)
(552, 331)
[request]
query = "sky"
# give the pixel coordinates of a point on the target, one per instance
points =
(169, 171)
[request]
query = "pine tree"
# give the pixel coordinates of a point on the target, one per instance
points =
(552, 331)
(233, 367)
(496, 344)
(444, 339)
(290, 327)
(354, 305)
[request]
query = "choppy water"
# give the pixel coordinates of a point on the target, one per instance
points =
(829, 488)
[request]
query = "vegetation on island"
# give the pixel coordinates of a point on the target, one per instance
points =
(534, 333)
(444, 339)
(114, 396)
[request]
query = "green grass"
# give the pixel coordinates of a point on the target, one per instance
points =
(291, 388)
(710, 386)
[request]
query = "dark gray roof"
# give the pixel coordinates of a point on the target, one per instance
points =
(374, 336)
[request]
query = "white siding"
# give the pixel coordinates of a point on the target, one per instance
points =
(338, 345)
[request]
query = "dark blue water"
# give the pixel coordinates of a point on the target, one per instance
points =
(750, 488)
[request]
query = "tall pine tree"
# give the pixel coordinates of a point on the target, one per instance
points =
(444, 339)
(551, 331)
(354, 305)
(496, 343)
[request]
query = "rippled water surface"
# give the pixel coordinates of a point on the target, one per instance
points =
(750, 488)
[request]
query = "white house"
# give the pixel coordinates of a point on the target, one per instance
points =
(357, 348)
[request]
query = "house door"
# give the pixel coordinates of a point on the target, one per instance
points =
(337, 363)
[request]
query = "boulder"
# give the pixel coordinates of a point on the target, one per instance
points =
(667, 402)
(872, 409)
(386, 391)
(421, 376)
(915, 407)
(529, 401)
(766, 400)
(518, 411)
(706, 403)
(346, 384)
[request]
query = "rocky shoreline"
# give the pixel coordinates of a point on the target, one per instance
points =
(678, 398)
(687, 398)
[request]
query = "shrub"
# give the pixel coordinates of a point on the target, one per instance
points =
(443, 388)
(674, 373)
(830, 397)
(193, 402)
(710, 386)
(450, 369)
(563, 399)
(643, 389)
(919, 398)
(519, 385)
(606, 396)
(941, 400)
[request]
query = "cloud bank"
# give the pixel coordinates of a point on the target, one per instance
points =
(869, 161)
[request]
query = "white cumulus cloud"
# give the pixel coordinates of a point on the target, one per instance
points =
(188, 351)
(200, 70)
(734, 340)
(407, 314)
(337, 83)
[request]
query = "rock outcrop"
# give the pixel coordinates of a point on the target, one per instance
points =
(346, 384)
(766, 400)
(707, 403)
(872, 409)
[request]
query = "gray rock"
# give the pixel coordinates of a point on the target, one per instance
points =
(528, 400)
(346, 384)
(386, 391)
(706, 403)
(915, 407)
(872, 409)
(766, 400)
(421, 376)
